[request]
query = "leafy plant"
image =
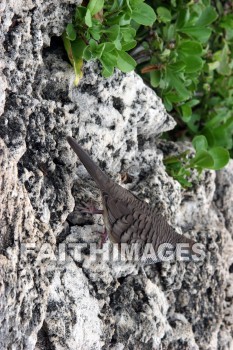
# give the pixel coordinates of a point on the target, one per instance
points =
(175, 52)
(189, 62)
(105, 30)
(179, 167)
(184, 50)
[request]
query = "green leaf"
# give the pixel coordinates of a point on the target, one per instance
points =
(93, 44)
(107, 71)
(220, 156)
(193, 63)
(124, 19)
(108, 60)
(186, 112)
(88, 19)
(113, 32)
(167, 103)
(80, 14)
(67, 44)
(224, 67)
(143, 14)
(75, 51)
(93, 49)
(209, 136)
(172, 160)
(97, 50)
(95, 6)
(200, 143)
(173, 97)
(129, 5)
(202, 159)
(213, 65)
(128, 33)
(227, 24)
(193, 102)
(129, 45)
(125, 62)
(223, 136)
(208, 16)
(118, 45)
(78, 46)
(70, 31)
(108, 47)
(177, 84)
(202, 34)
(179, 66)
(96, 30)
(190, 47)
(170, 33)
(183, 181)
(87, 54)
(183, 17)
(164, 14)
(155, 78)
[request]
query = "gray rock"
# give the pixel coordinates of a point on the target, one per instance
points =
(52, 298)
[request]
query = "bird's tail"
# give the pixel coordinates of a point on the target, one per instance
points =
(96, 173)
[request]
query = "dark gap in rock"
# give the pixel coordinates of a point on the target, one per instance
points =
(56, 47)
(110, 146)
(58, 161)
(63, 234)
(116, 153)
(114, 339)
(125, 177)
(121, 280)
(7, 239)
(142, 175)
(118, 104)
(102, 164)
(53, 88)
(10, 35)
(130, 144)
(89, 89)
(54, 93)
(141, 142)
(231, 268)
(77, 218)
(43, 342)
(177, 345)
(97, 119)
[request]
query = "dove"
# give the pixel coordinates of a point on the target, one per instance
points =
(127, 218)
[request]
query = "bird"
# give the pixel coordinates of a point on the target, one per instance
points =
(127, 218)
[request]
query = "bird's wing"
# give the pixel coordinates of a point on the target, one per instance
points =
(118, 215)
(126, 220)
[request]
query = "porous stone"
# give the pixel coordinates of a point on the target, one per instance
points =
(51, 296)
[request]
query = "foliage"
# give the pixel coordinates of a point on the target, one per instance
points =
(188, 59)
(184, 50)
(205, 157)
(178, 45)
(104, 30)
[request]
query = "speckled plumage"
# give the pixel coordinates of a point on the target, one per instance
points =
(127, 218)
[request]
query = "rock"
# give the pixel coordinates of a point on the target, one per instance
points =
(51, 295)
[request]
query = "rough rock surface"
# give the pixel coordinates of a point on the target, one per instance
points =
(51, 298)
